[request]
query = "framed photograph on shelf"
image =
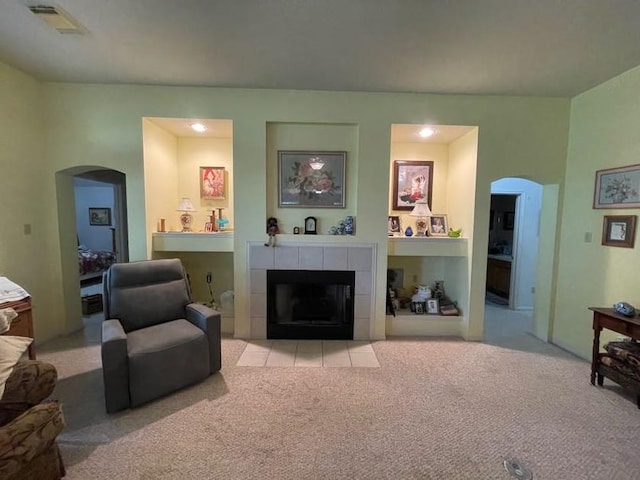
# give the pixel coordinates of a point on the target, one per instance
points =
(393, 226)
(100, 216)
(208, 227)
(412, 181)
(418, 308)
(438, 225)
(308, 179)
(433, 306)
(212, 183)
(617, 187)
(619, 230)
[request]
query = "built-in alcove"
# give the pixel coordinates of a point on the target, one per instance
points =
(311, 137)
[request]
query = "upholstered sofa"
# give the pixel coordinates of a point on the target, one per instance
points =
(28, 427)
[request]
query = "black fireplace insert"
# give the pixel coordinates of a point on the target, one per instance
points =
(310, 304)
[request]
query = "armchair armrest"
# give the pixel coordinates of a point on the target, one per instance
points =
(208, 320)
(30, 382)
(115, 365)
(28, 436)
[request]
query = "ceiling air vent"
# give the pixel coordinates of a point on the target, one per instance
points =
(57, 18)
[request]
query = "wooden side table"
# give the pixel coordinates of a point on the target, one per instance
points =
(22, 326)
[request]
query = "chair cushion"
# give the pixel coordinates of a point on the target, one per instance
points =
(164, 358)
(145, 293)
(11, 349)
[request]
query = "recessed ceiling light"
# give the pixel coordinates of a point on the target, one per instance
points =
(198, 127)
(426, 132)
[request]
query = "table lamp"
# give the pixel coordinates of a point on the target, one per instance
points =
(422, 211)
(186, 218)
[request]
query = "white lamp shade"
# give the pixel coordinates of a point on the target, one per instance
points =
(421, 210)
(186, 205)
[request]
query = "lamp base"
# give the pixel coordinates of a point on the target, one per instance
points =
(421, 227)
(185, 220)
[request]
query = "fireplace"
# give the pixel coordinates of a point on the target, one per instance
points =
(310, 304)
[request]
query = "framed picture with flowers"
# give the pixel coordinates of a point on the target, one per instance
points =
(412, 181)
(617, 187)
(311, 179)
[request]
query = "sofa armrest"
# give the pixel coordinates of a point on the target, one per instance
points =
(30, 382)
(28, 436)
(115, 365)
(208, 320)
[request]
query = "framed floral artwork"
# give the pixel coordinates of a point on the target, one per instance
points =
(308, 179)
(619, 230)
(212, 183)
(617, 188)
(412, 181)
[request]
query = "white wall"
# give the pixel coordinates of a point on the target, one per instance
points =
(95, 237)
(526, 231)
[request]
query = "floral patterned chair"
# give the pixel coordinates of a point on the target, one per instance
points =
(29, 426)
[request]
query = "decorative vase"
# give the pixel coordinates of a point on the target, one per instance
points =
(348, 225)
(408, 232)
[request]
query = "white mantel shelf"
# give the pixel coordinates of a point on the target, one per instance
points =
(193, 242)
(427, 246)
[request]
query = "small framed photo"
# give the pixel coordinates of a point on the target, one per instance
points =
(418, 308)
(100, 216)
(617, 187)
(208, 227)
(619, 230)
(393, 225)
(438, 225)
(212, 183)
(433, 306)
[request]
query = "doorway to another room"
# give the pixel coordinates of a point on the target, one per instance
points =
(512, 257)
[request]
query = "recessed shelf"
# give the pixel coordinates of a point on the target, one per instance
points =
(427, 246)
(193, 242)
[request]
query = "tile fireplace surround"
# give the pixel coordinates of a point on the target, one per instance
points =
(290, 256)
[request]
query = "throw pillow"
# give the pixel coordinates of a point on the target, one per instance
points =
(11, 349)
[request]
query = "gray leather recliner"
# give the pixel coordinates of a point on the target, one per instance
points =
(155, 340)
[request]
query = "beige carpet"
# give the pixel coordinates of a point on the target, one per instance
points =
(435, 409)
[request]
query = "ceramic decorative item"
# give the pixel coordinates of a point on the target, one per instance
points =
(422, 295)
(408, 232)
(438, 290)
(341, 228)
(455, 233)
(348, 225)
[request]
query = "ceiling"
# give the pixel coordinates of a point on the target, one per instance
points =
(504, 47)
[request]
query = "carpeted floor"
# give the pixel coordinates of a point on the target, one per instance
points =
(435, 409)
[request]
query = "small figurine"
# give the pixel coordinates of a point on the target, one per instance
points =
(272, 231)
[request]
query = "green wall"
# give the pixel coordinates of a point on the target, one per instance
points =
(603, 134)
(101, 125)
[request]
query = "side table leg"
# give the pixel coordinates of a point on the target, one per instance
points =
(600, 379)
(596, 348)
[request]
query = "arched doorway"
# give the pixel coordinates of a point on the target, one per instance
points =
(512, 257)
(81, 223)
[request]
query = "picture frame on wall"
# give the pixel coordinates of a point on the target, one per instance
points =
(212, 183)
(508, 220)
(438, 225)
(617, 187)
(100, 216)
(412, 181)
(619, 230)
(311, 179)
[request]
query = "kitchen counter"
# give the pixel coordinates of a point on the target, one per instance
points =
(504, 258)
